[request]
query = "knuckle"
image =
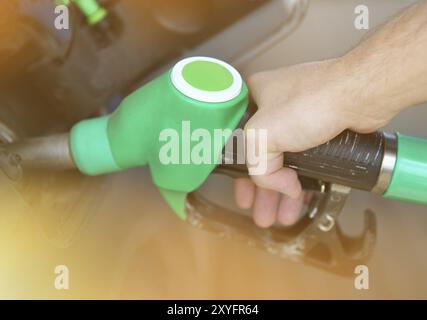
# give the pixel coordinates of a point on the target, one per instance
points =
(255, 79)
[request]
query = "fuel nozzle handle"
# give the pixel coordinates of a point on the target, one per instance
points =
(393, 165)
(351, 159)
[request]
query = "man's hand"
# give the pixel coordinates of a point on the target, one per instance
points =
(306, 105)
(301, 107)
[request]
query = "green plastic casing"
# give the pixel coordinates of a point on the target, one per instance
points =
(92, 10)
(130, 137)
(409, 180)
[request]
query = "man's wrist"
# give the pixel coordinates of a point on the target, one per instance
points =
(363, 96)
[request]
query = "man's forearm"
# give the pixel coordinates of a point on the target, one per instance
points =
(388, 70)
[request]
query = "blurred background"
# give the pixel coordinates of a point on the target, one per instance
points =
(114, 233)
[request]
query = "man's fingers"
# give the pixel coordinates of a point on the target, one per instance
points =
(265, 207)
(268, 206)
(289, 209)
(244, 192)
(284, 180)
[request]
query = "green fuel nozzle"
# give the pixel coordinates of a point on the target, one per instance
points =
(199, 93)
(163, 124)
(168, 117)
(210, 94)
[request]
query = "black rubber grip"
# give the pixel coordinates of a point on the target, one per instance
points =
(350, 159)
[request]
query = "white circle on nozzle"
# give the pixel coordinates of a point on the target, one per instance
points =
(201, 95)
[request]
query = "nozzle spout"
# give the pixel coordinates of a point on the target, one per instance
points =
(50, 152)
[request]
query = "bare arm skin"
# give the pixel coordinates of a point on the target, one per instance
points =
(305, 105)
